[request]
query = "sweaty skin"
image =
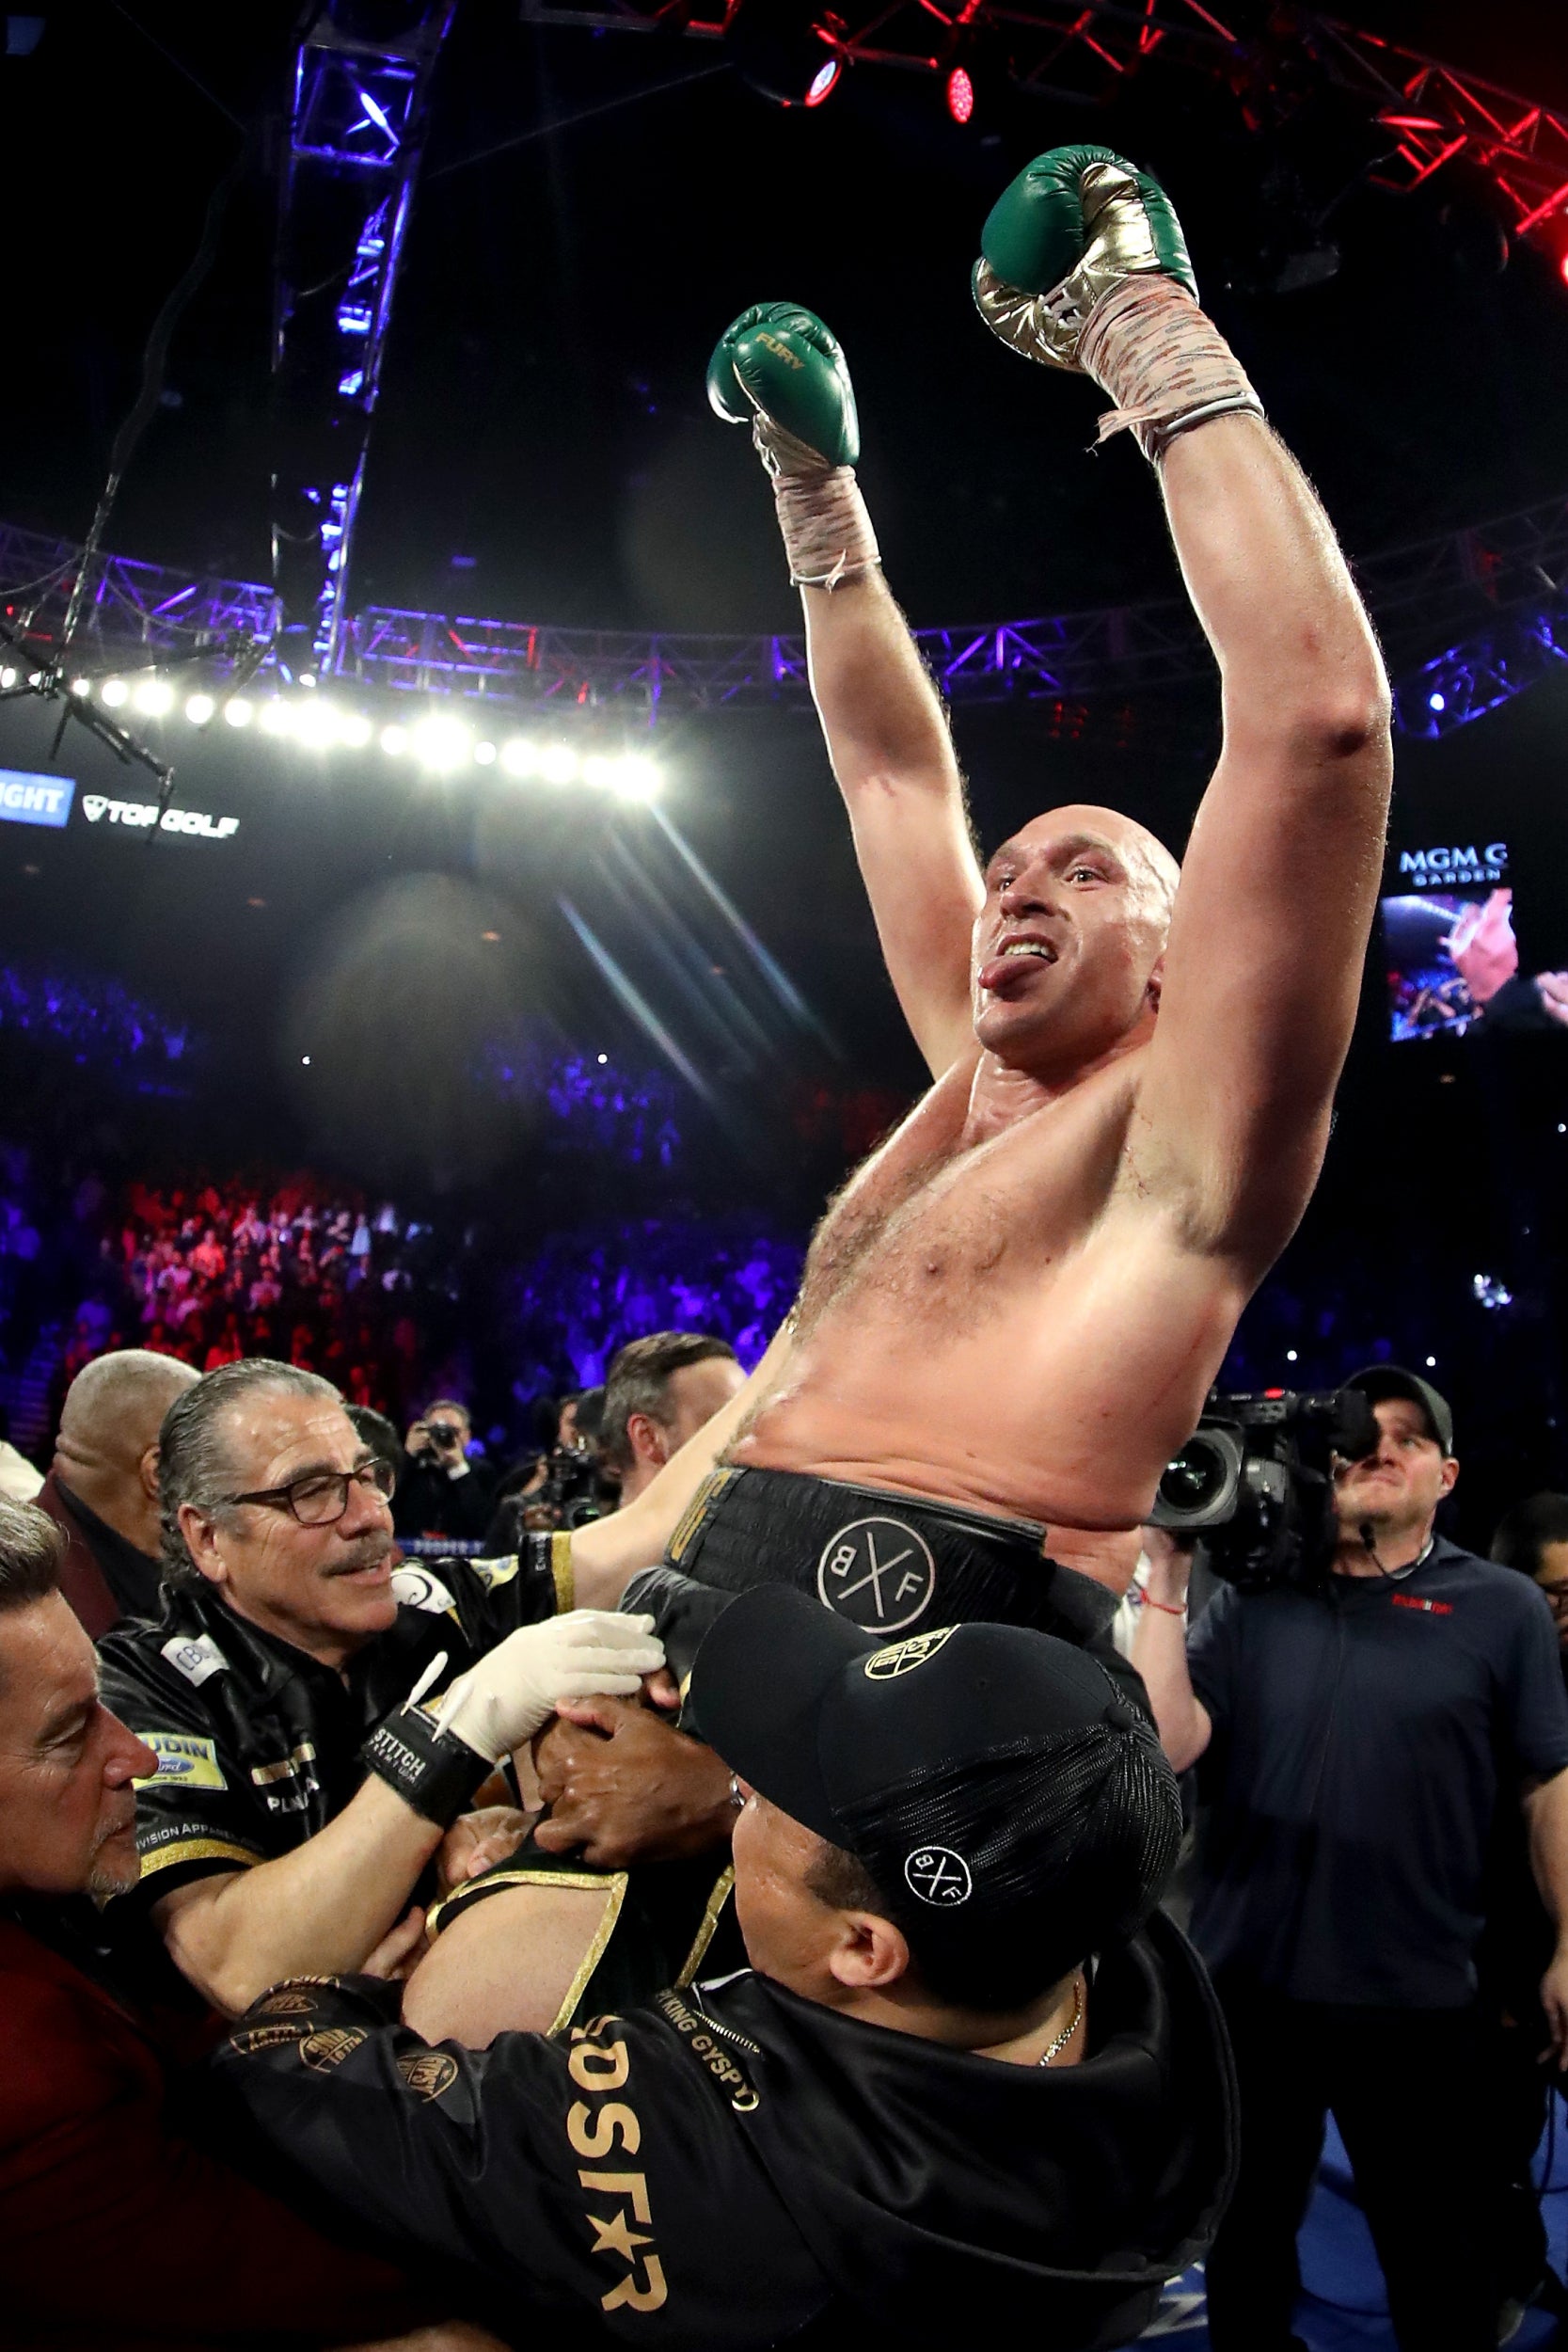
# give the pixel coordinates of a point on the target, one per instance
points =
(990, 1316)
(1019, 1302)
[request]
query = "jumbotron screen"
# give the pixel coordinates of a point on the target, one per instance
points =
(1452, 956)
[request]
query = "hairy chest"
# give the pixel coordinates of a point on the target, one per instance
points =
(933, 1220)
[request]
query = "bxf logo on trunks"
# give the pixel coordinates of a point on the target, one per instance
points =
(878, 1573)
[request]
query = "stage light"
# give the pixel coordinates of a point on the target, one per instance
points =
(238, 712)
(961, 95)
(559, 765)
(153, 696)
(114, 691)
(81, 686)
(394, 741)
(356, 729)
(439, 742)
(519, 756)
(1562, 267)
(598, 770)
(199, 709)
(484, 754)
(1290, 1355)
(1437, 702)
(603, 1059)
(317, 725)
(276, 718)
(778, 50)
(1432, 1363)
(7, 679)
(636, 778)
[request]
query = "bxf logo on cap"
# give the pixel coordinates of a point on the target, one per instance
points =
(878, 1573)
(901, 1658)
(939, 1876)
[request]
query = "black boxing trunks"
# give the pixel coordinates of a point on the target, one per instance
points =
(894, 1564)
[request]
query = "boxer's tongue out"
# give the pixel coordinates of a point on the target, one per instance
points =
(1017, 960)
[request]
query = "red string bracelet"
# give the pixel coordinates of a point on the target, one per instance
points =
(1166, 1608)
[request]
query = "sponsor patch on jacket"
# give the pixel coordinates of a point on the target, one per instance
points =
(493, 1572)
(415, 1588)
(196, 1655)
(1419, 1600)
(184, 1758)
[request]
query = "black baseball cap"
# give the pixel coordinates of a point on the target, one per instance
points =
(992, 1780)
(1384, 1380)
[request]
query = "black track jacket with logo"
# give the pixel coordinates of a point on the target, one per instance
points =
(257, 1744)
(734, 2167)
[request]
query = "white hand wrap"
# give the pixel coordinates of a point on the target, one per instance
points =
(503, 1701)
(1164, 362)
(827, 531)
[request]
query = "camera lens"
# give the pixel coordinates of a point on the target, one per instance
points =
(1193, 1480)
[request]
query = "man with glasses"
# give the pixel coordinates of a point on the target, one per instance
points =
(269, 1840)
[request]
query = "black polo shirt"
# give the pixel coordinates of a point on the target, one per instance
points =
(258, 1744)
(1364, 1738)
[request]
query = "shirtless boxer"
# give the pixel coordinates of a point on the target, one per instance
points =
(1012, 1312)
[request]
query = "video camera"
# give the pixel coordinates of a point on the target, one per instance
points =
(570, 1494)
(1256, 1482)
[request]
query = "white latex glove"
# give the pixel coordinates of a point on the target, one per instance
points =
(500, 1702)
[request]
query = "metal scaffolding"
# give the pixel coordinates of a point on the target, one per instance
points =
(1274, 58)
(356, 141)
(1492, 593)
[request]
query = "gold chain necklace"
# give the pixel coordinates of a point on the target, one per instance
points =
(1069, 2028)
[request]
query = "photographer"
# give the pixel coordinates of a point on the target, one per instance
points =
(561, 1488)
(443, 1493)
(1359, 1732)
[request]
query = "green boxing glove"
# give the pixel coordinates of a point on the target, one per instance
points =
(1073, 225)
(1083, 266)
(780, 363)
(779, 370)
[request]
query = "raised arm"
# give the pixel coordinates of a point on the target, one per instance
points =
(779, 370)
(1279, 884)
(1085, 268)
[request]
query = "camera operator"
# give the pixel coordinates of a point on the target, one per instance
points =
(1359, 1732)
(443, 1493)
(559, 1489)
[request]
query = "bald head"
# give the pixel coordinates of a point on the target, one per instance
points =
(108, 1448)
(1150, 864)
(1068, 944)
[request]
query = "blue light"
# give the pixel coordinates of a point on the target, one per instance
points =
(1437, 702)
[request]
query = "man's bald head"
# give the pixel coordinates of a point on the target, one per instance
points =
(1067, 946)
(1144, 852)
(106, 1451)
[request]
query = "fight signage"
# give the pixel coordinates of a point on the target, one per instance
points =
(134, 813)
(1455, 866)
(26, 800)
